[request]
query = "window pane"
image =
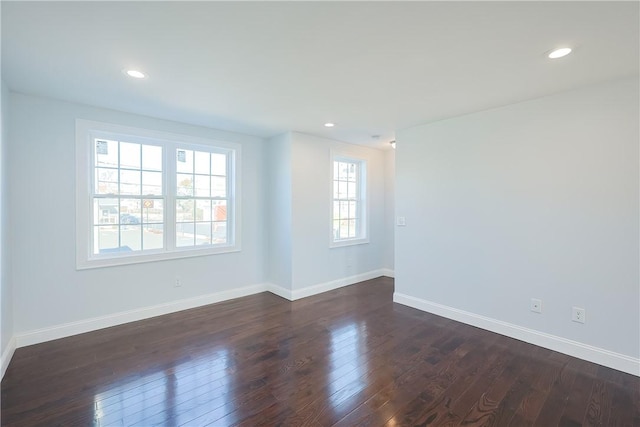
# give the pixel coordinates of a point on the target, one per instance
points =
(106, 153)
(336, 210)
(152, 211)
(106, 181)
(184, 234)
(184, 161)
(351, 190)
(130, 182)
(353, 213)
(352, 228)
(203, 233)
(219, 212)
(336, 169)
(152, 236)
(203, 210)
(353, 171)
(151, 157)
(202, 163)
(130, 211)
(185, 185)
(218, 186)
(131, 237)
(343, 169)
(129, 155)
(344, 210)
(219, 232)
(184, 210)
(105, 211)
(202, 186)
(218, 164)
(342, 190)
(152, 183)
(105, 239)
(344, 229)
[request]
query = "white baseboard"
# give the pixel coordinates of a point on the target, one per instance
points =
(387, 272)
(580, 350)
(73, 328)
(7, 354)
(334, 284)
(308, 291)
(280, 291)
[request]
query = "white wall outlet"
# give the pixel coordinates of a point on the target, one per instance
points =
(178, 283)
(401, 222)
(536, 305)
(578, 314)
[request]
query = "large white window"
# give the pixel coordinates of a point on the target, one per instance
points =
(348, 201)
(146, 196)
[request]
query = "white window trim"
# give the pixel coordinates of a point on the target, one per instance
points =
(85, 130)
(364, 199)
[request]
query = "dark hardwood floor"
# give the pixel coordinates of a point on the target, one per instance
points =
(346, 357)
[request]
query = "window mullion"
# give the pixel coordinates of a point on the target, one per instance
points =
(169, 192)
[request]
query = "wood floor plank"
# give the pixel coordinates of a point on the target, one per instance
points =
(510, 403)
(346, 357)
(557, 399)
(575, 409)
(597, 413)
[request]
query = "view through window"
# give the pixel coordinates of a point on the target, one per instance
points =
(153, 196)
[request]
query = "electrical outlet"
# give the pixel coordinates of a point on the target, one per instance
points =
(401, 221)
(178, 283)
(536, 305)
(578, 314)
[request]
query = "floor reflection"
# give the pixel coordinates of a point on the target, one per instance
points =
(348, 362)
(196, 389)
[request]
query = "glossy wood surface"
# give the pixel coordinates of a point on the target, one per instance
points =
(346, 357)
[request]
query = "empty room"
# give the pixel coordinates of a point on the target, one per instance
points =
(320, 213)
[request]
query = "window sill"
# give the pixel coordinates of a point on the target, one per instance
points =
(348, 242)
(152, 257)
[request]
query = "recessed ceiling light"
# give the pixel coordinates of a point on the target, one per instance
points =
(329, 125)
(559, 53)
(135, 74)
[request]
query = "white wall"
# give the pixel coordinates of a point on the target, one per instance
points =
(390, 204)
(537, 199)
(278, 179)
(47, 288)
(6, 297)
(314, 262)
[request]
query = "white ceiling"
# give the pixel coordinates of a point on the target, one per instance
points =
(263, 68)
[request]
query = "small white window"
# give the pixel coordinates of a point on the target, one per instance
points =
(147, 196)
(348, 202)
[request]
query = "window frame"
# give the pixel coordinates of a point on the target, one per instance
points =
(87, 131)
(362, 199)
